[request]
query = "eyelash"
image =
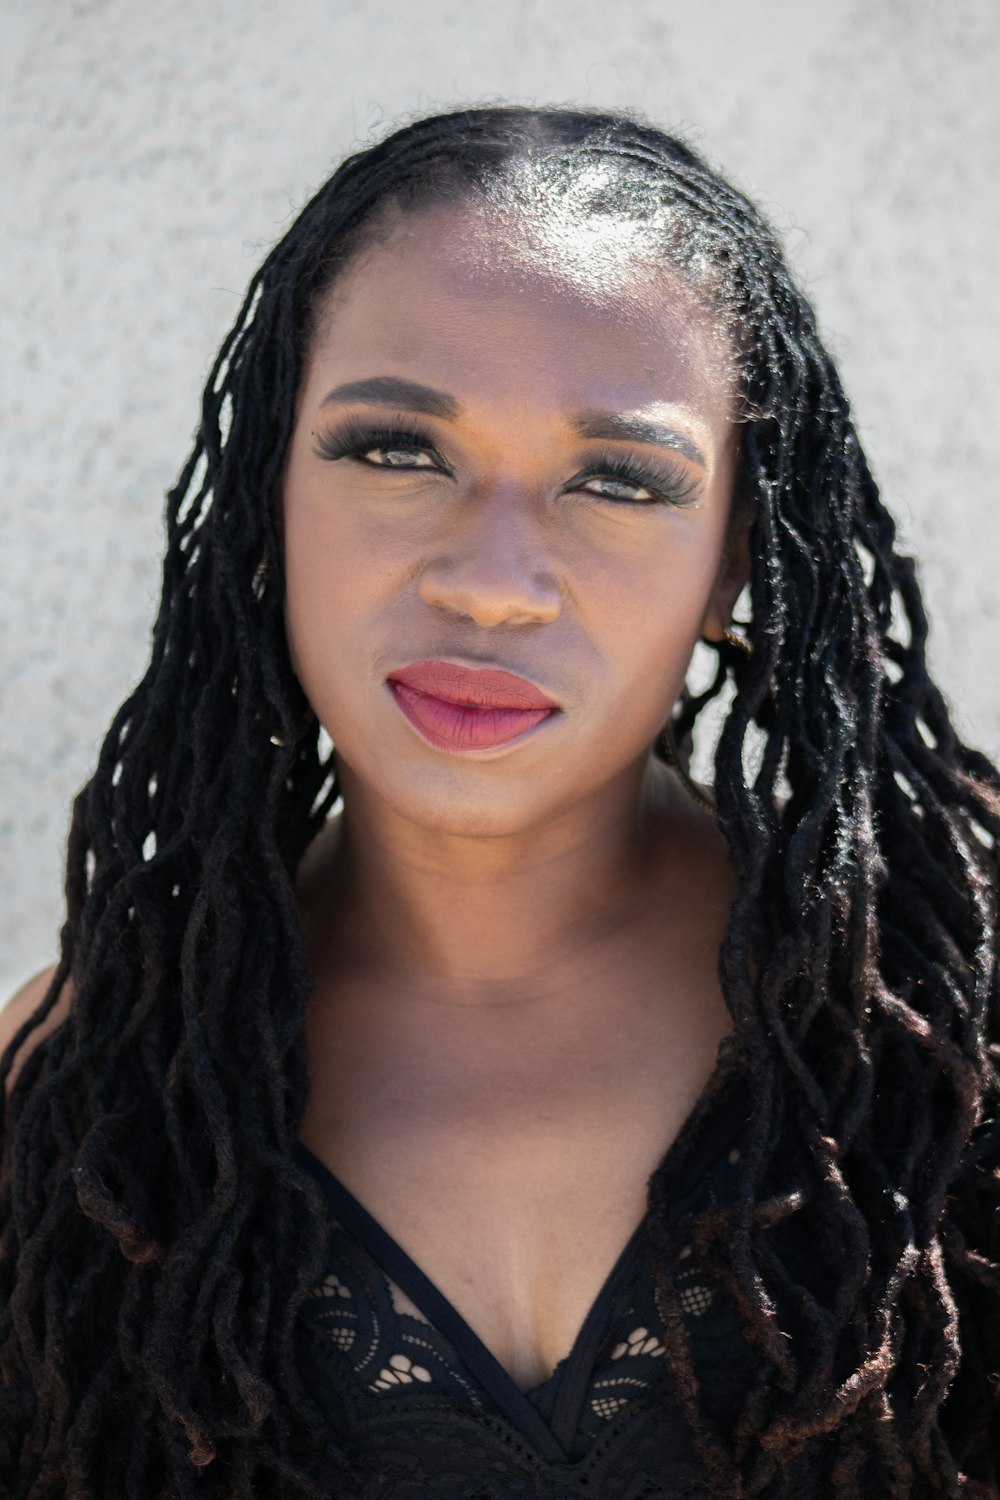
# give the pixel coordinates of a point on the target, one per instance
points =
(354, 438)
(668, 483)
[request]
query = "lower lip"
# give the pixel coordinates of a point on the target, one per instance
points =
(464, 726)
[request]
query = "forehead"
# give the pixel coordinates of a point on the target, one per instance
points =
(510, 301)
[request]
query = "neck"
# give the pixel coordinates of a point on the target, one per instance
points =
(481, 919)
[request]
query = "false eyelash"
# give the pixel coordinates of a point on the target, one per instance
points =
(353, 437)
(669, 483)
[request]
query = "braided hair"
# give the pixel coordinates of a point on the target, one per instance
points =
(158, 1239)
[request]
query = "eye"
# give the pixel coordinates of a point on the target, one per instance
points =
(619, 489)
(397, 458)
(623, 479)
(389, 447)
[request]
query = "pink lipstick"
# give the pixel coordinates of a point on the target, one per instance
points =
(461, 708)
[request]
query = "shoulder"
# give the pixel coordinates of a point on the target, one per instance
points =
(21, 1007)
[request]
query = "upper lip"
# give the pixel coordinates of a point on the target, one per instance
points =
(487, 687)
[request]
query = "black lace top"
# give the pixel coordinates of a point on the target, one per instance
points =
(426, 1408)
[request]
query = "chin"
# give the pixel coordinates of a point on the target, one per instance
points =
(475, 811)
(462, 802)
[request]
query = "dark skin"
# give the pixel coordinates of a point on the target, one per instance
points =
(515, 951)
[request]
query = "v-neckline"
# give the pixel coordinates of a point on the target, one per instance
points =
(552, 1439)
(720, 1112)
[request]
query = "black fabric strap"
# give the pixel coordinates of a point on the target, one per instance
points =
(578, 1372)
(720, 1116)
(497, 1386)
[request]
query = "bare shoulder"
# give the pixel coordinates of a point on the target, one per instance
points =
(23, 1005)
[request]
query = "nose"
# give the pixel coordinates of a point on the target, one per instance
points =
(495, 568)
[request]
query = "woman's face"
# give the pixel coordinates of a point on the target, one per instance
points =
(504, 462)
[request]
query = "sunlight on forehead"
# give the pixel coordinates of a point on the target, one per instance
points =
(542, 276)
(585, 230)
(565, 237)
(552, 240)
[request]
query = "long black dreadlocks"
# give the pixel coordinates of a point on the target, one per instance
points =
(158, 1239)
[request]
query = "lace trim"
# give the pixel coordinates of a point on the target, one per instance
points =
(397, 1391)
(358, 1313)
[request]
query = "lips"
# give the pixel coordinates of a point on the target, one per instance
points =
(462, 708)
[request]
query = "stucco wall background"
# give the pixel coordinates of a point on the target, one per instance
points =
(151, 152)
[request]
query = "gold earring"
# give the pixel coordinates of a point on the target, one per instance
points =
(738, 640)
(742, 644)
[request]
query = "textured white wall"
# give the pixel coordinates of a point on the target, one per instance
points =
(151, 152)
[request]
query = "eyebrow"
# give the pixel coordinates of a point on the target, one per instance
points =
(393, 390)
(617, 426)
(409, 395)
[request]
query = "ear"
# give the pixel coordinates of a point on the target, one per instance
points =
(732, 578)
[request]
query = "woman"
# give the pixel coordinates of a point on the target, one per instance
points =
(530, 1122)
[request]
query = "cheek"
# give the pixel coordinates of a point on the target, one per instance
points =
(650, 619)
(653, 607)
(321, 585)
(327, 615)
(346, 593)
